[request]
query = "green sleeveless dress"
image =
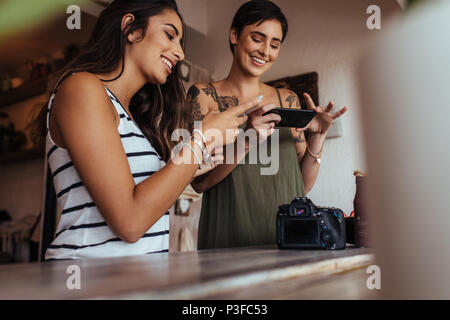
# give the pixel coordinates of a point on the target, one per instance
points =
(241, 209)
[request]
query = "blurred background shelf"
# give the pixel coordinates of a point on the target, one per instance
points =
(21, 155)
(25, 91)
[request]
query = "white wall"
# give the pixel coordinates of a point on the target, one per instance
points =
(194, 13)
(324, 36)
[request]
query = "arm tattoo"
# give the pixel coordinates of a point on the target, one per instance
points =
(209, 91)
(292, 98)
(192, 100)
(224, 102)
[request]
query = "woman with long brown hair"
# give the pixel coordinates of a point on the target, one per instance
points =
(108, 126)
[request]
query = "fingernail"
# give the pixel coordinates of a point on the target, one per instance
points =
(260, 97)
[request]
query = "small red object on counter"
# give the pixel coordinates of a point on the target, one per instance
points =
(359, 173)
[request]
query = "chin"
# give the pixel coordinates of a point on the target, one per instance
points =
(256, 72)
(163, 80)
(157, 79)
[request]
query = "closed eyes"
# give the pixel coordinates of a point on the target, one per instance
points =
(273, 46)
(171, 37)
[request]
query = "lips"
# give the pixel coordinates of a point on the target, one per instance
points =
(168, 63)
(258, 61)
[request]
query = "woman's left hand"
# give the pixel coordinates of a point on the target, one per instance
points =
(323, 120)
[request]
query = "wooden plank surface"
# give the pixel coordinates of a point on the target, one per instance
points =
(206, 274)
(349, 284)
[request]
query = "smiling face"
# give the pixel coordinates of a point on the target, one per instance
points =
(257, 47)
(160, 49)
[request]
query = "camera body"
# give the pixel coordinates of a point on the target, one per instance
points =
(303, 225)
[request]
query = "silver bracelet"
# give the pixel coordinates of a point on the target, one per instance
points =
(200, 145)
(195, 154)
(206, 155)
(201, 135)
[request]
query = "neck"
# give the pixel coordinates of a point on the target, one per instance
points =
(245, 85)
(126, 86)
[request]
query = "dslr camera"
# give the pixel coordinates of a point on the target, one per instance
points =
(303, 225)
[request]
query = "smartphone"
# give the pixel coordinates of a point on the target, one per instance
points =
(293, 118)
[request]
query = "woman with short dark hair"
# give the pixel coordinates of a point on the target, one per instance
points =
(239, 204)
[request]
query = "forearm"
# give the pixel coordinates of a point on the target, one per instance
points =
(210, 179)
(154, 196)
(309, 165)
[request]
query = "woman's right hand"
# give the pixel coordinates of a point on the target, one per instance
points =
(221, 128)
(264, 125)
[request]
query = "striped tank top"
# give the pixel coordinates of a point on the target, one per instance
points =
(82, 232)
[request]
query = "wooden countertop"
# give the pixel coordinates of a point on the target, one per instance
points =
(264, 273)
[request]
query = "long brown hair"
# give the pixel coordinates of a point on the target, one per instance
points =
(157, 109)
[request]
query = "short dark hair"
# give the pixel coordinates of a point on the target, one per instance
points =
(257, 11)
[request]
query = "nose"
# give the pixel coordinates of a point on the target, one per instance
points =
(264, 49)
(178, 52)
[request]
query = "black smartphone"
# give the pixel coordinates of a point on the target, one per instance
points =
(293, 118)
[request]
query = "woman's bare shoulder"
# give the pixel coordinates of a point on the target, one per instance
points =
(81, 81)
(284, 92)
(289, 98)
(202, 95)
(204, 88)
(81, 93)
